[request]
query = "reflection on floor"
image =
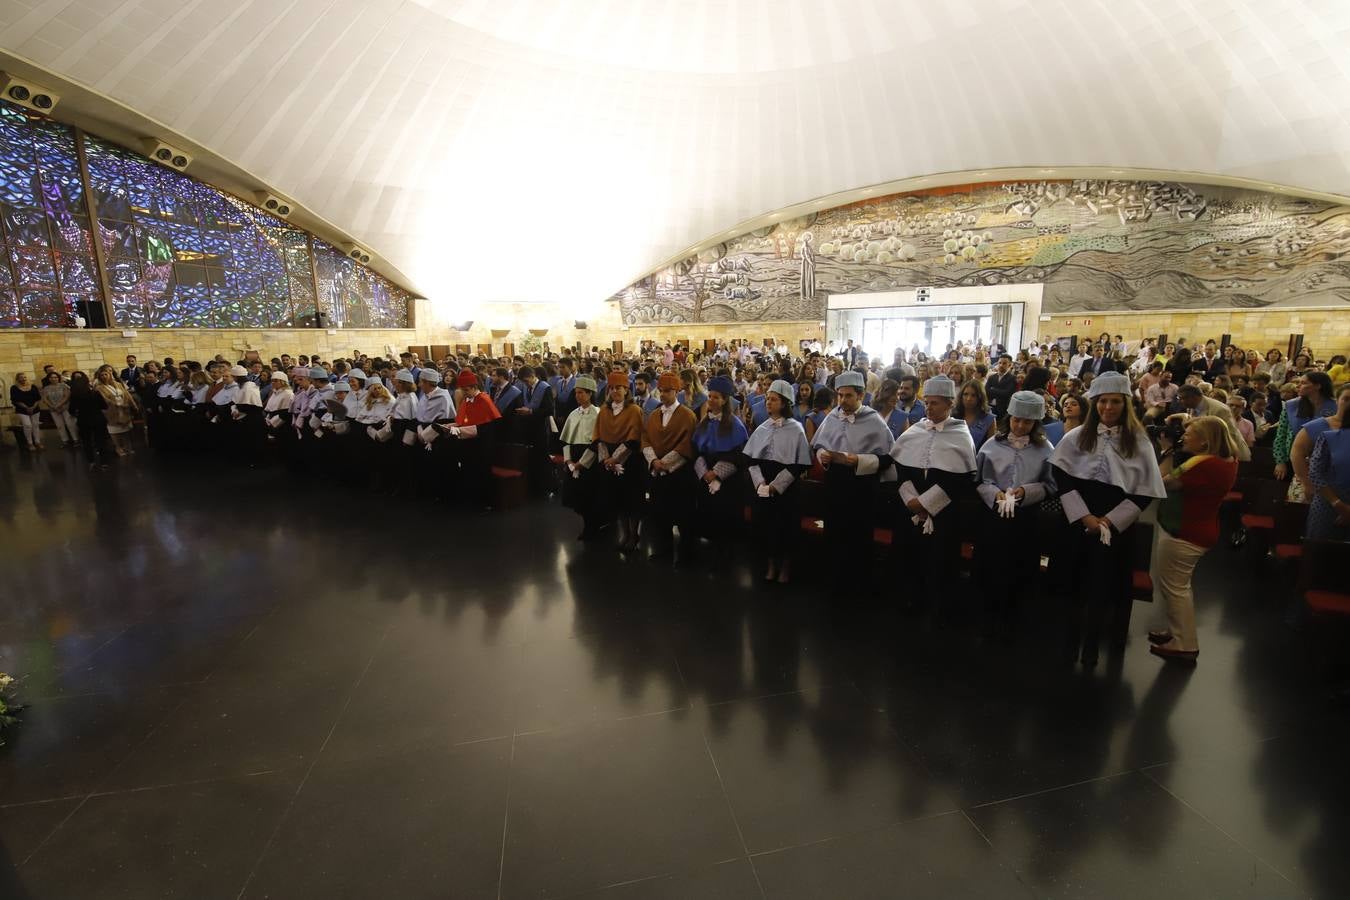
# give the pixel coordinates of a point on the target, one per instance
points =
(244, 688)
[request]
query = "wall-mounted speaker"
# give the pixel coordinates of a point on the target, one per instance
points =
(277, 206)
(357, 252)
(27, 94)
(579, 325)
(166, 154)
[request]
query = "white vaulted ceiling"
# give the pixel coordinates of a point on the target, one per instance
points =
(557, 149)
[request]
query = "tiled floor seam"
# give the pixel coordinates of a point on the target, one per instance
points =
(1223, 831)
(285, 813)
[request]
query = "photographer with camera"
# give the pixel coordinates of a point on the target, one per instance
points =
(1198, 461)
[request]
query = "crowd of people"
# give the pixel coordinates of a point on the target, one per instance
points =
(1050, 453)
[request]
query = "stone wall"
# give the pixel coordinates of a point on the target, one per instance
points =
(1326, 331)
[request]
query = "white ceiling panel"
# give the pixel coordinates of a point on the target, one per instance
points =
(556, 149)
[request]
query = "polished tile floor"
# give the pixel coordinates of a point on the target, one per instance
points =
(243, 688)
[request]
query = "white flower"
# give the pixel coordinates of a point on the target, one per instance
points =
(5, 680)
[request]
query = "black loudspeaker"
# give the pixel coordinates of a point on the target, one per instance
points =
(1162, 342)
(1295, 345)
(1073, 342)
(1224, 341)
(579, 325)
(92, 313)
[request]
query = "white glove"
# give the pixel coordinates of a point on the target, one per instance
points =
(576, 471)
(714, 486)
(618, 469)
(1007, 507)
(454, 431)
(1106, 534)
(927, 523)
(764, 490)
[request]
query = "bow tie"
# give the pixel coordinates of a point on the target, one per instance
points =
(930, 425)
(617, 407)
(1019, 443)
(716, 417)
(848, 419)
(777, 423)
(1110, 431)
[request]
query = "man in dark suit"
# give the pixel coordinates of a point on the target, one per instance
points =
(850, 355)
(1001, 385)
(1100, 362)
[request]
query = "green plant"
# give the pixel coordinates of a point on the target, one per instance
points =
(531, 343)
(7, 707)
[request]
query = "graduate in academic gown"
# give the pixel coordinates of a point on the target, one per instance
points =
(618, 477)
(1014, 478)
(506, 397)
(719, 441)
(435, 412)
(171, 403)
(475, 433)
(668, 449)
(250, 434)
(405, 452)
(221, 431)
(935, 466)
(277, 410)
(578, 436)
(372, 430)
(290, 438)
(853, 445)
(321, 391)
(535, 426)
(778, 455)
(1106, 475)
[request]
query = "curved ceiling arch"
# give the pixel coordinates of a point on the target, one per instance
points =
(512, 150)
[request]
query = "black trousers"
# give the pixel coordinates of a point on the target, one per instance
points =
(1099, 579)
(672, 503)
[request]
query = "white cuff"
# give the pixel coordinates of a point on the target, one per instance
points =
(587, 459)
(673, 461)
(988, 493)
(935, 500)
(467, 431)
(756, 476)
(783, 480)
(620, 454)
(700, 467)
(1033, 492)
(1123, 515)
(867, 463)
(1074, 507)
(724, 470)
(601, 451)
(649, 454)
(907, 492)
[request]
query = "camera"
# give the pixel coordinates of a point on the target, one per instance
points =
(1171, 428)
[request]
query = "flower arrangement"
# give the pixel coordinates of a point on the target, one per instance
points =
(7, 707)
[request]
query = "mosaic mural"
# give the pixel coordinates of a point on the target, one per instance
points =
(1096, 245)
(177, 252)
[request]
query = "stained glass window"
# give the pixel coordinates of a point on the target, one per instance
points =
(177, 252)
(47, 272)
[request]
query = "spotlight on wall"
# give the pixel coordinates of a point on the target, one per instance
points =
(579, 325)
(27, 94)
(357, 252)
(166, 154)
(463, 326)
(277, 206)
